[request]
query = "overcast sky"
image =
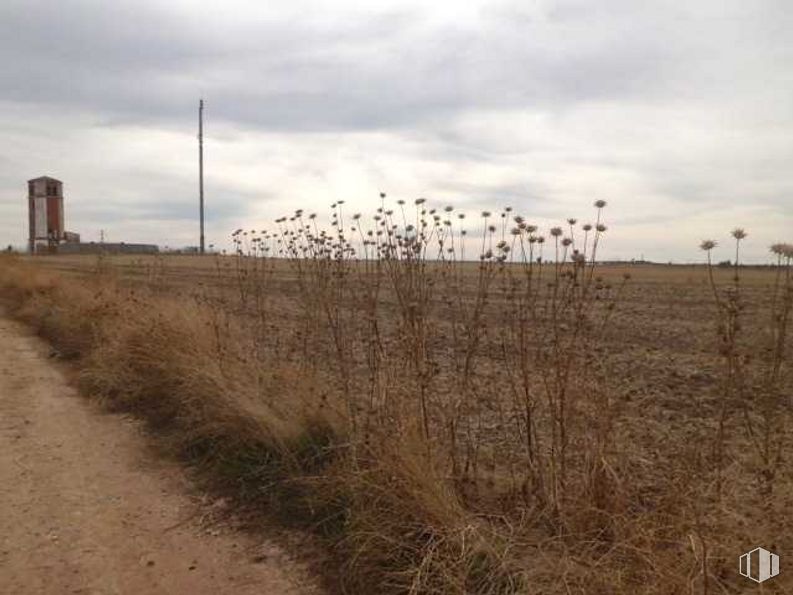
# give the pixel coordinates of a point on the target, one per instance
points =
(680, 115)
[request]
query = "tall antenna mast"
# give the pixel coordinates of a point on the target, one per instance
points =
(201, 168)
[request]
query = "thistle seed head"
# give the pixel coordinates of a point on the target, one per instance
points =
(783, 249)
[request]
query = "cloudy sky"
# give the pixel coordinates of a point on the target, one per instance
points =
(680, 115)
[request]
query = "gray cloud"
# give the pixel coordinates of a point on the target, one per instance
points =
(140, 64)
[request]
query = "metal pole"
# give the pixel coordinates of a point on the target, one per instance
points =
(201, 167)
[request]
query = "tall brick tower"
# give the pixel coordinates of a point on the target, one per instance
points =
(45, 207)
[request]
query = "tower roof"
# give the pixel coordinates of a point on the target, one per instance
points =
(49, 178)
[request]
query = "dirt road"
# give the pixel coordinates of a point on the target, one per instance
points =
(85, 508)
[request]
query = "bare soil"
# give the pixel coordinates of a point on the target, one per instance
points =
(86, 507)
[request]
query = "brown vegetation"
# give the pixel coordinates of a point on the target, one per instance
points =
(512, 425)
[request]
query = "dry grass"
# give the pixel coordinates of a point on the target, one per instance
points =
(454, 427)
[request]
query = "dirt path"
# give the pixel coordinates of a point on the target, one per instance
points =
(85, 508)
